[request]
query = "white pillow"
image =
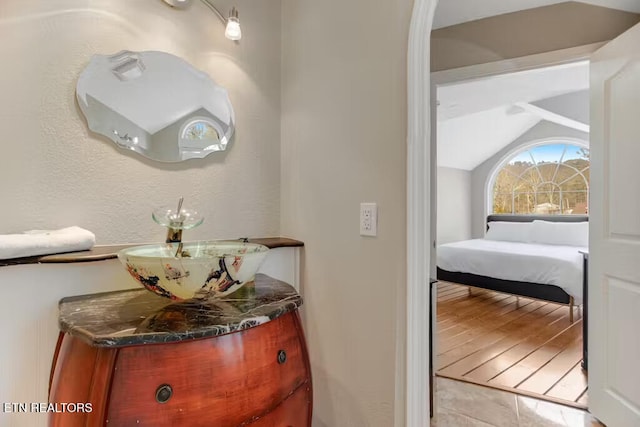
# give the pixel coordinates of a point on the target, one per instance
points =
(509, 231)
(560, 233)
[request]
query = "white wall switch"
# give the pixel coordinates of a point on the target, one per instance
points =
(368, 219)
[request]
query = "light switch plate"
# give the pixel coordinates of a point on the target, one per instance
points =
(368, 219)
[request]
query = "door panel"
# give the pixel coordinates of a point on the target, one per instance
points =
(624, 297)
(623, 154)
(614, 240)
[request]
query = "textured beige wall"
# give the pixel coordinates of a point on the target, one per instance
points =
(528, 32)
(344, 142)
(54, 174)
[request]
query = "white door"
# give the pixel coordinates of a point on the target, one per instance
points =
(614, 210)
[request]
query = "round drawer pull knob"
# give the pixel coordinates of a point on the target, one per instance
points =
(282, 357)
(164, 393)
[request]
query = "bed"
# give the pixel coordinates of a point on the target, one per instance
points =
(535, 256)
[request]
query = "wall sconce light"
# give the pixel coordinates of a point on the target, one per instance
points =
(232, 30)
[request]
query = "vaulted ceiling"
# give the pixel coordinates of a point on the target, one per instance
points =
(478, 118)
(451, 12)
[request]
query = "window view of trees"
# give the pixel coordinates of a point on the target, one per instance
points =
(547, 179)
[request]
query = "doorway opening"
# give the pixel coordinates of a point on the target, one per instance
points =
(614, 229)
(511, 230)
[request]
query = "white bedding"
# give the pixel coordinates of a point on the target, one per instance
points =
(523, 262)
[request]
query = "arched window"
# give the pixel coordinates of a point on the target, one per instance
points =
(545, 179)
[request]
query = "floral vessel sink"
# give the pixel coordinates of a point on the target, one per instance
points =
(201, 269)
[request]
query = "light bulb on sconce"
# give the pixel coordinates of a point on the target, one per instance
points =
(232, 23)
(233, 31)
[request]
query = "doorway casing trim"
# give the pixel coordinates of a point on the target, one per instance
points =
(413, 378)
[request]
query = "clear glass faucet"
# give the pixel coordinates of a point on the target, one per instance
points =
(176, 221)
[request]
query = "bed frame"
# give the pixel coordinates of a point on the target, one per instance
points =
(550, 293)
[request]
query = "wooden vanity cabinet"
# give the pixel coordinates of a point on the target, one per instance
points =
(257, 377)
(289, 413)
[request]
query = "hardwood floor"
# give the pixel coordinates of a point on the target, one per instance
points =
(516, 344)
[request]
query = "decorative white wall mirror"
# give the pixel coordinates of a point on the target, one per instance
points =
(155, 104)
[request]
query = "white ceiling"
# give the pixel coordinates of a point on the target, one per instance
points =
(478, 118)
(465, 142)
(565, 105)
(451, 12)
(527, 86)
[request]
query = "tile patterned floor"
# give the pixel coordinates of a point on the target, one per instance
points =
(460, 404)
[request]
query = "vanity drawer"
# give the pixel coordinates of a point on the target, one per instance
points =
(229, 379)
(293, 412)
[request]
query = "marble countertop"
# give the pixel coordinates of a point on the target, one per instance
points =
(137, 316)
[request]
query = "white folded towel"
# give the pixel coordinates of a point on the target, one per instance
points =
(42, 242)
